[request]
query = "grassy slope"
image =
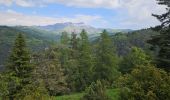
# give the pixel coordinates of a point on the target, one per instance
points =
(112, 93)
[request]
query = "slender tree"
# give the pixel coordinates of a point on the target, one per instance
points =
(74, 45)
(64, 38)
(85, 60)
(106, 59)
(71, 62)
(64, 50)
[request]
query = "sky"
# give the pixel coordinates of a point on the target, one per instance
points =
(117, 14)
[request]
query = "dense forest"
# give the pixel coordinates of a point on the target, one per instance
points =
(131, 65)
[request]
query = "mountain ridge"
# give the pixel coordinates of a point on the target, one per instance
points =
(77, 27)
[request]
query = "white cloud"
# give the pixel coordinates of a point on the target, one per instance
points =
(6, 2)
(76, 3)
(87, 3)
(137, 12)
(11, 17)
(24, 3)
(140, 12)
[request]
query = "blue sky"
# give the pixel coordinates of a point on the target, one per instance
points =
(118, 14)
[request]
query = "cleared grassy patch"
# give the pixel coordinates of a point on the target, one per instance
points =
(112, 93)
(76, 96)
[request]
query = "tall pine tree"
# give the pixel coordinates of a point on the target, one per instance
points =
(64, 38)
(162, 41)
(72, 67)
(106, 59)
(64, 50)
(19, 68)
(85, 60)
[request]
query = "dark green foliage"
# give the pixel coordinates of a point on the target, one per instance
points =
(64, 38)
(73, 74)
(74, 42)
(161, 42)
(85, 61)
(18, 69)
(64, 50)
(136, 57)
(145, 83)
(106, 59)
(96, 91)
(72, 70)
(80, 63)
(18, 81)
(19, 61)
(125, 41)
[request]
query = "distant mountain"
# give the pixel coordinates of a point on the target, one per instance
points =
(77, 28)
(60, 26)
(69, 27)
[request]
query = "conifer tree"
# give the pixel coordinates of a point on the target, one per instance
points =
(85, 60)
(162, 41)
(136, 57)
(64, 50)
(19, 68)
(64, 38)
(106, 59)
(74, 45)
(72, 68)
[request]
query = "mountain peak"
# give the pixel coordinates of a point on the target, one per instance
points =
(70, 23)
(76, 27)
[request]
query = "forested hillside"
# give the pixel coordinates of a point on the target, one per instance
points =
(125, 41)
(35, 39)
(139, 38)
(40, 39)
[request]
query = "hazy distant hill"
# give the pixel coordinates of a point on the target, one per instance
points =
(77, 27)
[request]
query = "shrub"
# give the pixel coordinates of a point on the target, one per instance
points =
(96, 91)
(145, 83)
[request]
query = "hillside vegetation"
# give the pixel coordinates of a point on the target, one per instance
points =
(36, 40)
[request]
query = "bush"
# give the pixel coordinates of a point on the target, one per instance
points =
(3, 86)
(35, 91)
(145, 83)
(96, 91)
